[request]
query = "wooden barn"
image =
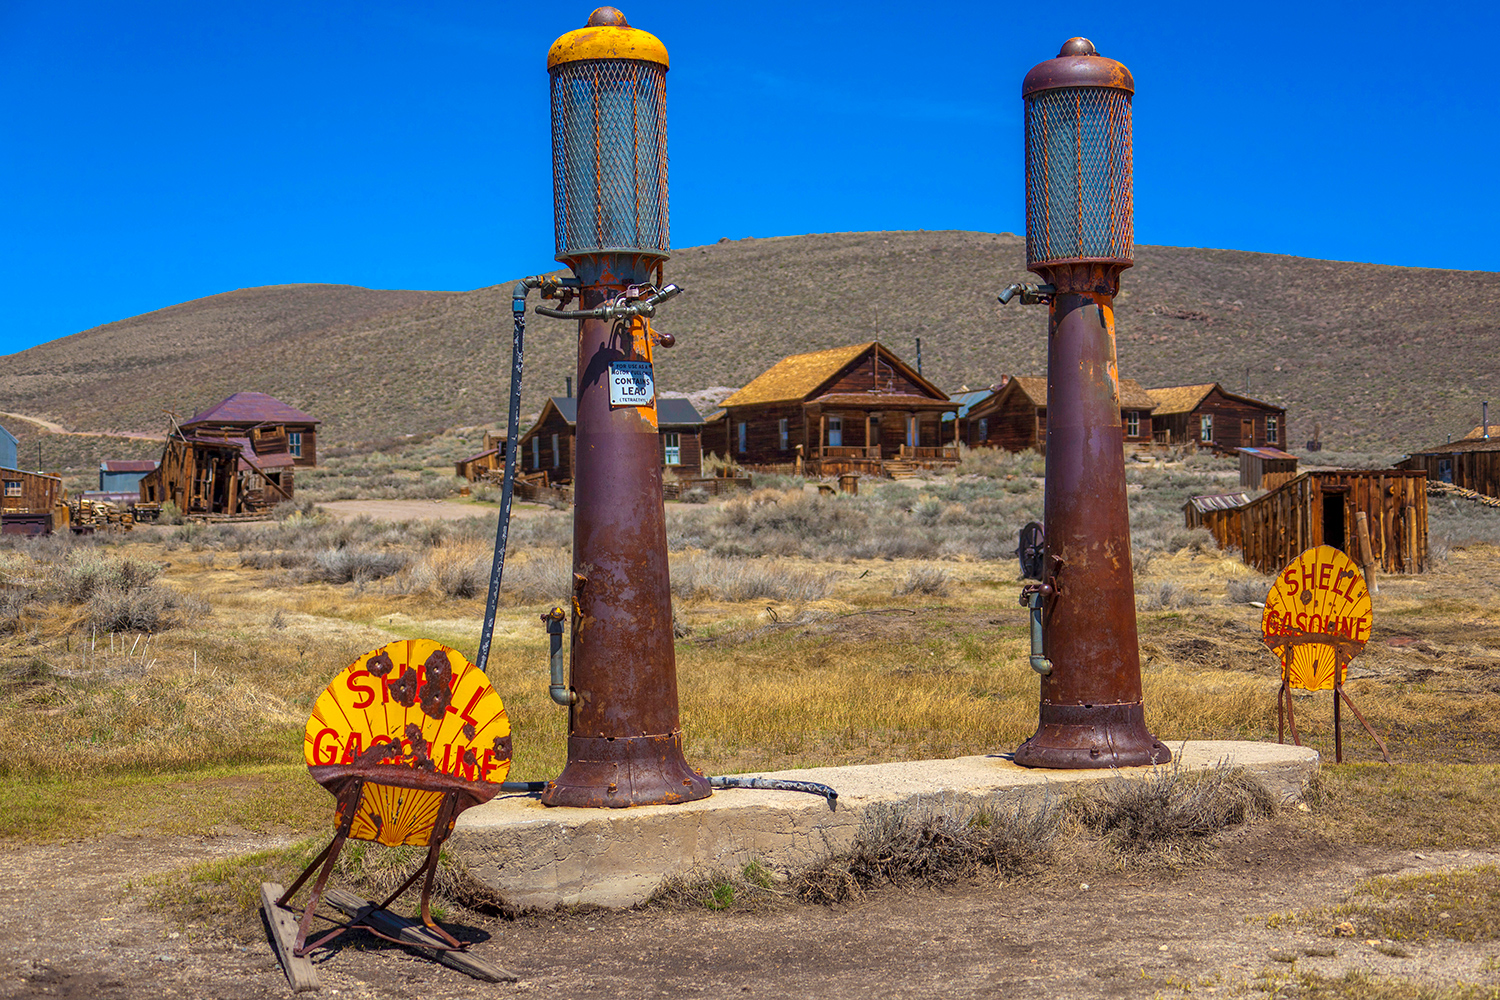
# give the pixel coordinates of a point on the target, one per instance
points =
(1014, 416)
(255, 415)
(219, 475)
(551, 444)
(1266, 468)
(491, 459)
(1210, 417)
(1471, 463)
(29, 502)
(846, 409)
(1323, 508)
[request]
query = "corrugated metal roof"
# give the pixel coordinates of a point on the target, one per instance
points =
(1219, 501)
(250, 408)
(967, 400)
(671, 412)
(1268, 453)
(127, 465)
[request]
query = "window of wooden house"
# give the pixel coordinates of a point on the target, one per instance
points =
(671, 446)
(1206, 427)
(556, 453)
(1445, 473)
(781, 433)
(12, 487)
(294, 443)
(1132, 423)
(744, 434)
(536, 453)
(1271, 428)
(984, 428)
(835, 432)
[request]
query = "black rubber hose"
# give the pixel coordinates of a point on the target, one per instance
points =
(502, 530)
(778, 785)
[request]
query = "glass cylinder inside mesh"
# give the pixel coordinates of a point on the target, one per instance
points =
(1078, 183)
(609, 157)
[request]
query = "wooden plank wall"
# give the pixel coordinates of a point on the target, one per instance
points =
(39, 493)
(1473, 470)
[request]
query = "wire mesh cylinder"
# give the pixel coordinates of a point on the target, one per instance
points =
(609, 157)
(1078, 174)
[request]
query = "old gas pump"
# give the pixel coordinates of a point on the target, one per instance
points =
(609, 170)
(1079, 238)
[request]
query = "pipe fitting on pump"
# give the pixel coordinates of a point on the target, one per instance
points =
(558, 689)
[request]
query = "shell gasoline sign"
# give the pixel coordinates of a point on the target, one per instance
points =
(1318, 617)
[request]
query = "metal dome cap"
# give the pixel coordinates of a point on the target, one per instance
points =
(607, 36)
(1078, 64)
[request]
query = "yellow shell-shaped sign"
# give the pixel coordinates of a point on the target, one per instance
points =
(1318, 616)
(412, 713)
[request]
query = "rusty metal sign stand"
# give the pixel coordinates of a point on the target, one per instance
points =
(405, 738)
(1317, 619)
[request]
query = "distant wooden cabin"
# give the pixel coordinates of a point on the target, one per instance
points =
(1210, 417)
(123, 475)
(1266, 468)
(1471, 463)
(847, 408)
(8, 450)
(491, 459)
(265, 420)
(550, 446)
(29, 502)
(217, 474)
(1322, 508)
(965, 399)
(1014, 416)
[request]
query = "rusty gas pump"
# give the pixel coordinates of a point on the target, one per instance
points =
(1079, 238)
(609, 169)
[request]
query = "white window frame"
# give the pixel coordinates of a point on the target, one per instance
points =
(783, 431)
(556, 453)
(671, 447)
(1272, 430)
(294, 443)
(1206, 427)
(1132, 423)
(13, 488)
(835, 431)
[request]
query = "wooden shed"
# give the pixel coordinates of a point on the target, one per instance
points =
(1472, 463)
(123, 475)
(491, 459)
(846, 409)
(1266, 468)
(1211, 417)
(1322, 508)
(215, 474)
(29, 502)
(1014, 416)
(550, 445)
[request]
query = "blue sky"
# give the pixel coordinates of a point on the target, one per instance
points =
(156, 152)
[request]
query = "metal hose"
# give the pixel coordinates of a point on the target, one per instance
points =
(777, 785)
(502, 530)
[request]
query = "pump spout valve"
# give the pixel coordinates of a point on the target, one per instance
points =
(645, 307)
(1031, 295)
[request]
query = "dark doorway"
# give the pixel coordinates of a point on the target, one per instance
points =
(1333, 521)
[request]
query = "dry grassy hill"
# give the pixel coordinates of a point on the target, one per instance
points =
(1380, 356)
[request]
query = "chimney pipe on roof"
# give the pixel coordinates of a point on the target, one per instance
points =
(1484, 412)
(570, 387)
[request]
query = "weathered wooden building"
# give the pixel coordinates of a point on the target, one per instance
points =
(29, 502)
(491, 459)
(1472, 463)
(218, 474)
(8, 450)
(550, 445)
(1211, 417)
(1014, 416)
(846, 409)
(1266, 468)
(257, 416)
(1323, 508)
(123, 475)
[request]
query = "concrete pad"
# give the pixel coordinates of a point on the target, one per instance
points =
(545, 857)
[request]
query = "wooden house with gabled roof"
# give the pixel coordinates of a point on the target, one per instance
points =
(853, 408)
(269, 424)
(550, 446)
(1211, 417)
(1014, 416)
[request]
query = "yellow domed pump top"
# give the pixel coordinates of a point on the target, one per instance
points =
(607, 36)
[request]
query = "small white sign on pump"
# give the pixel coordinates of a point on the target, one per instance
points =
(631, 383)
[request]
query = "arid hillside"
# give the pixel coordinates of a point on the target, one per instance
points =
(1379, 356)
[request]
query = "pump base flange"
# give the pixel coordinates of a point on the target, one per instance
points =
(1092, 736)
(615, 772)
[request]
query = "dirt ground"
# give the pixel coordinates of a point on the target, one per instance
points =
(76, 931)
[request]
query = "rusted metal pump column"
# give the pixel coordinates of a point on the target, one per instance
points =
(1079, 237)
(610, 188)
